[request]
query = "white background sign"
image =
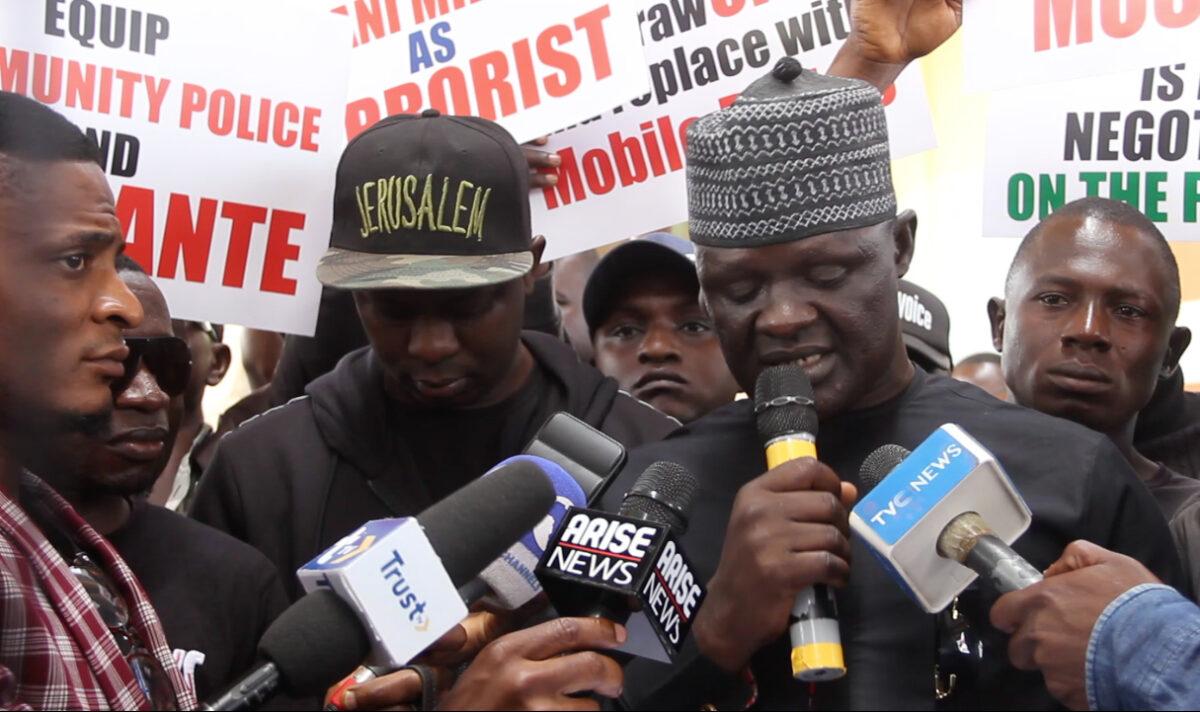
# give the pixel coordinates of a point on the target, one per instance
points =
(1011, 43)
(1133, 137)
(223, 176)
(623, 174)
(532, 66)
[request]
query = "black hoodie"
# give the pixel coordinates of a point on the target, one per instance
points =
(294, 480)
(1168, 428)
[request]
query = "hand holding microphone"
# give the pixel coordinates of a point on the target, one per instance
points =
(788, 531)
(1051, 621)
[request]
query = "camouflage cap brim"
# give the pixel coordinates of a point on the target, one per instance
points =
(363, 270)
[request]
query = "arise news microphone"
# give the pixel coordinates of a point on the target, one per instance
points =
(951, 497)
(401, 576)
(628, 567)
(786, 416)
(307, 648)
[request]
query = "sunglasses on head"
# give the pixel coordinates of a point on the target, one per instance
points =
(167, 357)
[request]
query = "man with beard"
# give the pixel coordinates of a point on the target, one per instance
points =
(78, 631)
(800, 250)
(214, 594)
(1086, 329)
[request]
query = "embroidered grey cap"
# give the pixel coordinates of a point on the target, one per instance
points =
(429, 202)
(797, 154)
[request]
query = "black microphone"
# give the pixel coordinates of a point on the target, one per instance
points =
(591, 457)
(786, 417)
(308, 648)
(628, 567)
(966, 538)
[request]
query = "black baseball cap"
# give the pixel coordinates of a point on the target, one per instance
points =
(429, 202)
(925, 326)
(657, 253)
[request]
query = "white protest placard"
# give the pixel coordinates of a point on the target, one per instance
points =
(223, 176)
(622, 173)
(533, 66)
(1010, 43)
(1133, 137)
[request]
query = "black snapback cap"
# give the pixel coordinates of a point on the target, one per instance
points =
(429, 202)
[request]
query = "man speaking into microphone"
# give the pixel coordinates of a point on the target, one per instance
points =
(800, 250)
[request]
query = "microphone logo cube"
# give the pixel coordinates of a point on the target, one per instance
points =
(628, 564)
(389, 573)
(901, 518)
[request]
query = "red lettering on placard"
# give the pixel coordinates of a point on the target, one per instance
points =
(1119, 19)
(280, 251)
(242, 219)
(192, 239)
(591, 24)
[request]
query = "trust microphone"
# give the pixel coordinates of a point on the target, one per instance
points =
(949, 496)
(786, 416)
(401, 576)
(307, 648)
(629, 567)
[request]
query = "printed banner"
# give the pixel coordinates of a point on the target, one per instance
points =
(223, 176)
(622, 172)
(533, 66)
(1010, 43)
(1133, 137)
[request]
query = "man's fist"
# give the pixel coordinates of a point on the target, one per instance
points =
(1051, 621)
(899, 31)
(788, 530)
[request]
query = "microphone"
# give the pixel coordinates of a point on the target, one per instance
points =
(786, 417)
(401, 576)
(307, 648)
(951, 496)
(628, 567)
(509, 581)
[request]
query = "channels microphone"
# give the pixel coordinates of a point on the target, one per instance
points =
(509, 581)
(949, 496)
(786, 416)
(308, 647)
(401, 576)
(628, 567)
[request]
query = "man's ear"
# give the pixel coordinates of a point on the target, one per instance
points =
(221, 358)
(1181, 338)
(995, 309)
(540, 269)
(904, 236)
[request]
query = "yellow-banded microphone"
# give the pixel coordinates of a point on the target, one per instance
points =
(787, 424)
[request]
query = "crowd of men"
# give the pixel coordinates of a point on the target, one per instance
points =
(144, 554)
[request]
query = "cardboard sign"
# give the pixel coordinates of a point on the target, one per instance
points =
(1133, 137)
(533, 67)
(223, 177)
(1010, 43)
(622, 173)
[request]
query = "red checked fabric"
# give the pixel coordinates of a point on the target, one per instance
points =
(55, 650)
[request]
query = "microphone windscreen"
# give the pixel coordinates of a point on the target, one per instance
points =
(663, 494)
(783, 402)
(879, 464)
(511, 576)
(315, 642)
(472, 527)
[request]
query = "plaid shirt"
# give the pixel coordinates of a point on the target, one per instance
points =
(55, 650)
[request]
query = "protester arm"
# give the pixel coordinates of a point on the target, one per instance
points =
(1144, 652)
(887, 35)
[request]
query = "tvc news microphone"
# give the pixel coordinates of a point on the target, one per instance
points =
(941, 515)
